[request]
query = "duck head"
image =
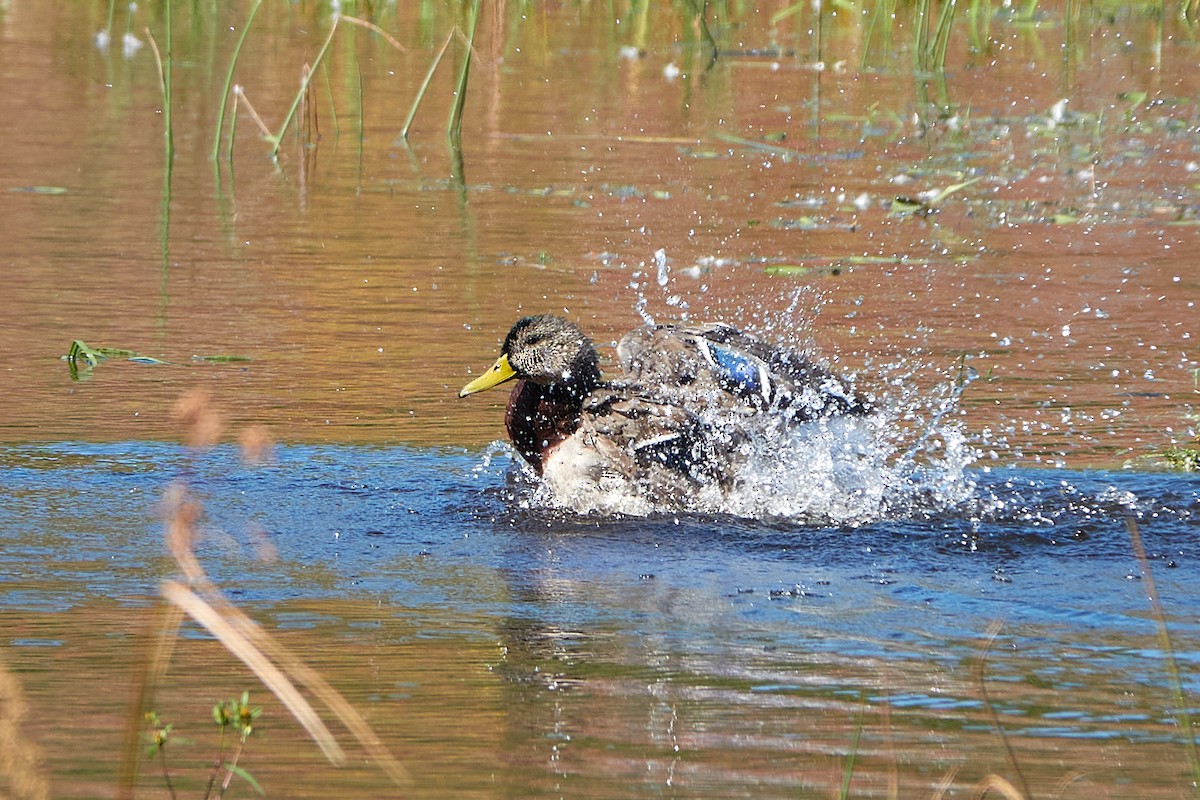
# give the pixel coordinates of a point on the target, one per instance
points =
(548, 351)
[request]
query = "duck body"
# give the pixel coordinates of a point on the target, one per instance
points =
(676, 424)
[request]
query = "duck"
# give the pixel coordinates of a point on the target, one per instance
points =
(677, 420)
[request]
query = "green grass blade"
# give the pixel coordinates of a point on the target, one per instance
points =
(941, 38)
(168, 57)
(277, 139)
(232, 136)
(412, 112)
(782, 14)
(337, 126)
(921, 21)
(454, 126)
(949, 190)
(225, 93)
(848, 772)
(247, 777)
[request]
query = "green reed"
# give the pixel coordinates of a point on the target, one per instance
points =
(941, 37)
(412, 111)
(277, 139)
(226, 95)
(454, 125)
(852, 756)
(878, 33)
(162, 59)
(337, 126)
(931, 52)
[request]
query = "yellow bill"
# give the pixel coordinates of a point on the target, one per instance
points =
(500, 372)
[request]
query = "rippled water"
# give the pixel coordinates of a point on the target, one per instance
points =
(712, 654)
(333, 300)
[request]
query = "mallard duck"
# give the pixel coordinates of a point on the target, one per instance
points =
(677, 420)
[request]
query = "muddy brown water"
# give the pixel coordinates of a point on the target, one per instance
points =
(341, 294)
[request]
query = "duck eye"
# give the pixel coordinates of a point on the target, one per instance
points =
(535, 339)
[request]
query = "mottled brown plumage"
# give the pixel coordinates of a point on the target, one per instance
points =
(677, 417)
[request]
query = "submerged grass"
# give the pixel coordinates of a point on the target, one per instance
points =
(81, 358)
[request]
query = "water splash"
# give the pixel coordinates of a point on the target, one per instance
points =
(838, 471)
(908, 458)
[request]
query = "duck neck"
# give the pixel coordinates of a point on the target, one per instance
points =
(540, 417)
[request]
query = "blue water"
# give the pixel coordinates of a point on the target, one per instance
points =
(1040, 549)
(619, 651)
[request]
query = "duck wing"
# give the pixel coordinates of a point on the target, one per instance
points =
(653, 430)
(631, 443)
(717, 365)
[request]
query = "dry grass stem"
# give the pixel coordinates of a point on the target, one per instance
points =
(992, 632)
(312, 680)
(277, 139)
(229, 635)
(310, 122)
(1183, 717)
(163, 632)
(162, 78)
(274, 664)
(182, 514)
(1002, 786)
(946, 782)
(194, 410)
(264, 549)
(470, 47)
(19, 755)
(240, 93)
(257, 445)
(372, 26)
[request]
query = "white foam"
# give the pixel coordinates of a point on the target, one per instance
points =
(834, 471)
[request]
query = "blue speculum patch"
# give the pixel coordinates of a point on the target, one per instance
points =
(738, 369)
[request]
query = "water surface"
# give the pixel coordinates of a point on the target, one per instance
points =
(549, 654)
(338, 296)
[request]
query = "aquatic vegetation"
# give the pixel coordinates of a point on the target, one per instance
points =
(236, 715)
(454, 126)
(226, 92)
(929, 202)
(1182, 458)
(82, 359)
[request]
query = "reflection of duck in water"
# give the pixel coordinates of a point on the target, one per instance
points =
(688, 403)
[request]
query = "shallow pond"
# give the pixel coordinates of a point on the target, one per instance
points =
(998, 622)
